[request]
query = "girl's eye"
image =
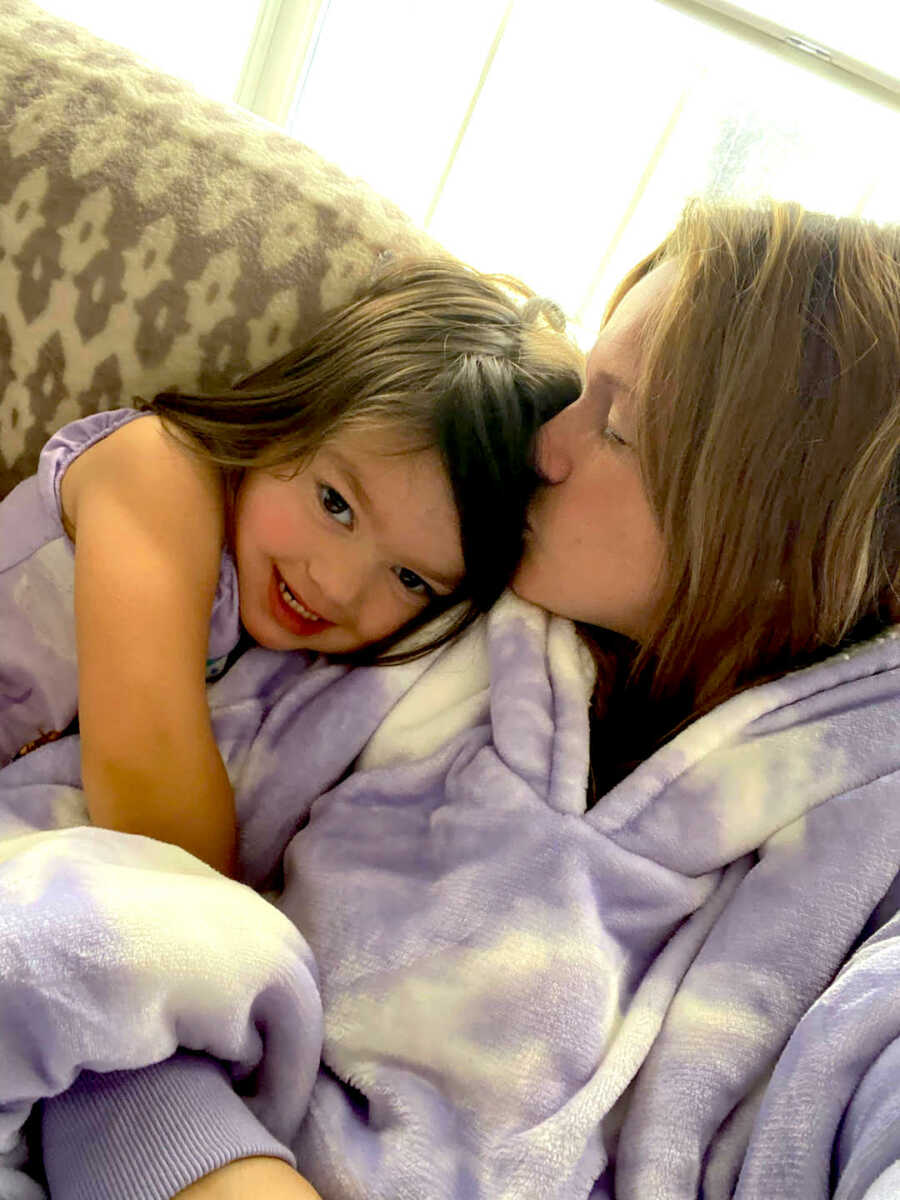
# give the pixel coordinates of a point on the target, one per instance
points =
(335, 505)
(611, 436)
(413, 583)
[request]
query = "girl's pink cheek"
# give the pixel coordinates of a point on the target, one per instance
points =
(273, 519)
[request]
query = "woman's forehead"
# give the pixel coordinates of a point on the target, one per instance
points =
(616, 351)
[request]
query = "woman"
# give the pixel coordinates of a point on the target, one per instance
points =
(720, 507)
(725, 495)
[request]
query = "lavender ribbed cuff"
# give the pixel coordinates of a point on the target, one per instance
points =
(145, 1135)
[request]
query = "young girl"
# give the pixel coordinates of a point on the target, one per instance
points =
(336, 501)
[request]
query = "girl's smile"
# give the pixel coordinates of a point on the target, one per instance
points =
(347, 549)
(290, 610)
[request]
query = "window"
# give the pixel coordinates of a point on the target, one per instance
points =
(559, 141)
(203, 41)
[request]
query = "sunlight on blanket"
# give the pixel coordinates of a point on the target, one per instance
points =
(445, 1021)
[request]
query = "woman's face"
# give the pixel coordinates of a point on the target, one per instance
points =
(594, 551)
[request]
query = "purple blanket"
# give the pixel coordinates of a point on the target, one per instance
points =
(694, 988)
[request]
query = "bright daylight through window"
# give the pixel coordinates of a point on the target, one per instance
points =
(557, 142)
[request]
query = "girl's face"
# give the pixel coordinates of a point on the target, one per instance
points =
(348, 549)
(594, 551)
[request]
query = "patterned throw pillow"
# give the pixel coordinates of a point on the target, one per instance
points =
(152, 239)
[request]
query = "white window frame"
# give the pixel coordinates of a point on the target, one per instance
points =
(283, 43)
(286, 32)
(795, 46)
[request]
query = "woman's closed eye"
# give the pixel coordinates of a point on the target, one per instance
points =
(335, 505)
(610, 435)
(414, 583)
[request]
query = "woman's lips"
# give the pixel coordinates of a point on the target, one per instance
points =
(283, 602)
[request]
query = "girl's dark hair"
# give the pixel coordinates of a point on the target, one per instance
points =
(465, 363)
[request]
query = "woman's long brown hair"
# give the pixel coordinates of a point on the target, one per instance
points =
(769, 441)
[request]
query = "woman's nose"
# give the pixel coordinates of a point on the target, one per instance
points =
(556, 444)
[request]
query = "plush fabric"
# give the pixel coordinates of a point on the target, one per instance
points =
(150, 238)
(511, 995)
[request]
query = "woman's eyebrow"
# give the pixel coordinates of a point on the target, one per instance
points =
(612, 381)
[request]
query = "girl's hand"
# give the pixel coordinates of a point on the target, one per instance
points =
(249, 1178)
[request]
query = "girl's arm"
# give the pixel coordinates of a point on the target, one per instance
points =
(147, 517)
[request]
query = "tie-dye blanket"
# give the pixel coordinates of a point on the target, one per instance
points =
(686, 990)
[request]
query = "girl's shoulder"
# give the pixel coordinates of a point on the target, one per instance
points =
(68, 444)
(132, 455)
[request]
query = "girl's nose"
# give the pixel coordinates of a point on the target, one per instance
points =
(340, 579)
(556, 445)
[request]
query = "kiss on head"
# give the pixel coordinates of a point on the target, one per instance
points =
(378, 473)
(717, 505)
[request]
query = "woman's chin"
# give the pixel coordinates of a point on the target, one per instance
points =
(521, 589)
(534, 587)
(539, 590)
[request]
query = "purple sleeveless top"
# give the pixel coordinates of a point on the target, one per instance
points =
(38, 663)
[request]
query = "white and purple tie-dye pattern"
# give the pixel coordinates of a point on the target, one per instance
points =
(38, 666)
(516, 993)
(495, 966)
(114, 950)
